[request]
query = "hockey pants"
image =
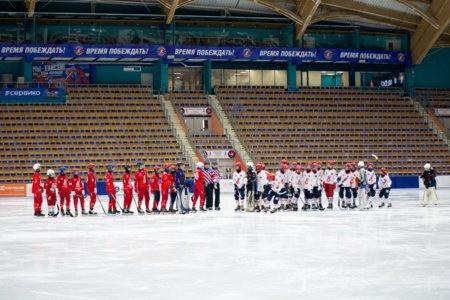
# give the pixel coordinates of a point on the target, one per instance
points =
(239, 195)
(430, 195)
(250, 200)
(156, 198)
(143, 195)
(112, 202)
(64, 198)
(199, 192)
(78, 196)
(181, 201)
(93, 197)
(127, 197)
(173, 198)
(37, 202)
(216, 195)
(362, 198)
(165, 197)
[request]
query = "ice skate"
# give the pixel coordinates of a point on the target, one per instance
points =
(92, 212)
(63, 213)
(294, 207)
(320, 206)
(330, 206)
(305, 207)
(381, 205)
(147, 211)
(238, 208)
(163, 210)
(390, 205)
(314, 207)
(202, 209)
(257, 209)
(83, 212)
(155, 211)
(139, 210)
(76, 212)
(69, 213)
(39, 214)
(194, 210)
(344, 205)
(274, 210)
(217, 208)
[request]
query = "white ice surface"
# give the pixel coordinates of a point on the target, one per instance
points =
(398, 253)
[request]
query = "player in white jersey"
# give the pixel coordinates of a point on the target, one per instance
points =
(354, 184)
(309, 179)
(239, 181)
(262, 187)
(329, 183)
(340, 177)
(296, 183)
(346, 179)
(371, 183)
(290, 172)
(361, 180)
(384, 183)
(277, 189)
(317, 189)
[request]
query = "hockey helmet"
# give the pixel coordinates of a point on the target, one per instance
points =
(127, 167)
(62, 170)
(50, 173)
(427, 166)
(156, 168)
(298, 167)
(36, 167)
(263, 166)
(258, 167)
(361, 164)
(110, 167)
(383, 171)
(250, 165)
(75, 171)
(199, 165)
(90, 166)
(271, 177)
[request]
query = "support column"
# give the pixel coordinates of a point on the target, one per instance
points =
(291, 76)
(161, 76)
(207, 77)
(409, 82)
(27, 70)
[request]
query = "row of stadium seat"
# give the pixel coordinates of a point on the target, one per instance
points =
(323, 124)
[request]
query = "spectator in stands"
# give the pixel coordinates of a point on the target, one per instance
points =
(429, 180)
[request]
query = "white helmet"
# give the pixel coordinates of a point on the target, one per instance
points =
(361, 164)
(250, 165)
(50, 173)
(36, 167)
(200, 165)
(427, 166)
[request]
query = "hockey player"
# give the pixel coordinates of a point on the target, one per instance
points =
(289, 173)
(63, 185)
(50, 192)
(180, 186)
(111, 190)
(339, 182)
(166, 187)
(155, 188)
(239, 187)
(346, 180)
(262, 187)
(282, 176)
(215, 174)
(173, 190)
(308, 186)
(361, 180)
(329, 183)
(317, 190)
(37, 190)
(277, 190)
(385, 183)
(250, 187)
(199, 187)
(429, 180)
(127, 190)
(141, 184)
(354, 183)
(92, 188)
(77, 189)
(371, 182)
(297, 185)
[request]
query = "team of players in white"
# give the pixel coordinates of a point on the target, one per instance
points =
(288, 186)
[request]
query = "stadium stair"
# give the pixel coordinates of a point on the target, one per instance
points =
(228, 129)
(179, 130)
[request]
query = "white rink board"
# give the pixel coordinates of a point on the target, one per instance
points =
(400, 253)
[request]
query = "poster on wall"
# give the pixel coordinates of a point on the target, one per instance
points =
(391, 80)
(219, 154)
(60, 74)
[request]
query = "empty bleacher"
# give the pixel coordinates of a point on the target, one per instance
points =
(340, 124)
(435, 98)
(116, 124)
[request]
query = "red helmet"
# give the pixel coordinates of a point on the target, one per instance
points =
(383, 170)
(258, 167)
(271, 177)
(238, 164)
(298, 167)
(263, 166)
(90, 166)
(166, 166)
(284, 161)
(156, 168)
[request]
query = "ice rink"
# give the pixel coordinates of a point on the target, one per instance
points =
(397, 253)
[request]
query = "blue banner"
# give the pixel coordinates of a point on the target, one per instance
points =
(38, 93)
(140, 52)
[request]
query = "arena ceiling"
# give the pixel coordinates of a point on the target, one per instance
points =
(427, 20)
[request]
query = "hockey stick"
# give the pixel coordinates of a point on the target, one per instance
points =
(101, 204)
(117, 202)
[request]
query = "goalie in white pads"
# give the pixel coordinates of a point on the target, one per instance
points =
(371, 184)
(262, 188)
